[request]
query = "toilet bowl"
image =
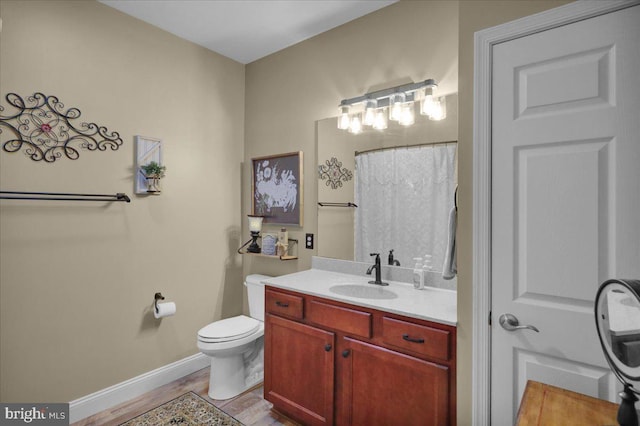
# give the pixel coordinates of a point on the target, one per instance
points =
(236, 346)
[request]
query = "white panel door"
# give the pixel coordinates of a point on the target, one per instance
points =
(565, 200)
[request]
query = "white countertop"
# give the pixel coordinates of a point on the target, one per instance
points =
(432, 304)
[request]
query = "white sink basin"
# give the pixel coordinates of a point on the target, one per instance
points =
(370, 291)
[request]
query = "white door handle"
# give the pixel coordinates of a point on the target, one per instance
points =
(510, 323)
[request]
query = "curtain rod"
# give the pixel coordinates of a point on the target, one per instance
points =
(61, 196)
(386, 148)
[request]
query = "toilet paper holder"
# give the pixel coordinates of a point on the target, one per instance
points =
(157, 296)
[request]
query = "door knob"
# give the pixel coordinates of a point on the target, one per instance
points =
(510, 323)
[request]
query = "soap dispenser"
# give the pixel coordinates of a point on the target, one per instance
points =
(418, 275)
(426, 267)
(427, 263)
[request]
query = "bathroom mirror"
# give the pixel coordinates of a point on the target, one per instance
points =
(336, 153)
(617, 314)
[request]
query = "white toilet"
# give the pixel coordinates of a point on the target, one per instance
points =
(236, 346)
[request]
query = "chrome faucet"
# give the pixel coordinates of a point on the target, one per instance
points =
(376, 266)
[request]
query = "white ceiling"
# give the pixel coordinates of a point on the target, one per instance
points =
(246, 30)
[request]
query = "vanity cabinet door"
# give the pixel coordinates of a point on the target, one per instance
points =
(383, 387)
(299, 370)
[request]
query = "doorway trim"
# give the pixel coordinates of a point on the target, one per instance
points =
(483, 48)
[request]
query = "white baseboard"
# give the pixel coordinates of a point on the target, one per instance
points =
(132, 388)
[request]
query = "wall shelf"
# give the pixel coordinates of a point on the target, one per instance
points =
(287, 257)
(241, 250)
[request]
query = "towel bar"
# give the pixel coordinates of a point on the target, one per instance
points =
(60, 196)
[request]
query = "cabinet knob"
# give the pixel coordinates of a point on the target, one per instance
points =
(346, 353)
(282, 304)
(327, 347)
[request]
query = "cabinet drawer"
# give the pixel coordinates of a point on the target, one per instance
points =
(284, 304)
(416, 338)
(351, 321)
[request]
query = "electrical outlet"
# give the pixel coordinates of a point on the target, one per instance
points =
(308, 241)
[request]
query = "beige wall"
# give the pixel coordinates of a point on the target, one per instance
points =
(77, 279)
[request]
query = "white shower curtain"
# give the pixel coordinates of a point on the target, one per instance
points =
(404, 196)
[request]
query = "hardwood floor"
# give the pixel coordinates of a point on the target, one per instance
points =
(249, 408)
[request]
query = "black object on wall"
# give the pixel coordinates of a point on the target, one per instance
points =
(41, 128)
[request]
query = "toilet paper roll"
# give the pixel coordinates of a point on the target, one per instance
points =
(164, 310)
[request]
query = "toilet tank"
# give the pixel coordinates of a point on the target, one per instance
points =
(255, 292)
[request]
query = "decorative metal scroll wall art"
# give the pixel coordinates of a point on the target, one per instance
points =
(43, 129)
(333, 172)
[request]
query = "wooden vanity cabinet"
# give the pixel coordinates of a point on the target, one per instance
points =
(300, 361)
(329, 362)
(384, 387)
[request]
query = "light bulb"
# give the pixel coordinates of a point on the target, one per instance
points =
(439, 109)
(356, 125)
(343, 118)
(407, 116)
(428, 103)
(380, 121)
(370, 112)
(395, 106)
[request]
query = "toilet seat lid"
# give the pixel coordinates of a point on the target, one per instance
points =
(229, 329)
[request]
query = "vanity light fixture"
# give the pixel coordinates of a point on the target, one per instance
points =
(369, 117)
(355, 126)
(427, 103)
(344, 119)
(398, 102)
(380, 122)
(440, 112)
(407, 116)
(431, 106)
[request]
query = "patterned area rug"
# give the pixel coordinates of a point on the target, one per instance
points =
(186, 410)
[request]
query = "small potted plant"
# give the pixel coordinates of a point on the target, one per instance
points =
(153, 172)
